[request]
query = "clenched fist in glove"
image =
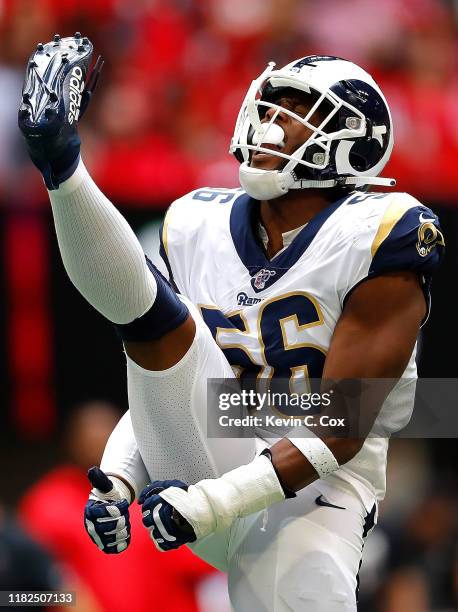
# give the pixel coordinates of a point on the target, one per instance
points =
(106, 515)
(166, 526)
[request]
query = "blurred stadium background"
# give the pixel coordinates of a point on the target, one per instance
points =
(175, 74)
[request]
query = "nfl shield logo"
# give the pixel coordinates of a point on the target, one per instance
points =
(260, 279)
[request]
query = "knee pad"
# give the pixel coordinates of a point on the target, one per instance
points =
(166, 313)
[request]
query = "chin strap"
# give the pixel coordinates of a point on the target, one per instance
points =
(357, 181)
(269, 184)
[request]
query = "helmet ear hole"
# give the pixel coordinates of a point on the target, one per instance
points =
(363, 153)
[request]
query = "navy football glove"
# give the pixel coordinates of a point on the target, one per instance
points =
(168, 529)
(54, 98)
(106, 514)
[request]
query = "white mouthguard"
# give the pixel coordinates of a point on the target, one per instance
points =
(270, 134)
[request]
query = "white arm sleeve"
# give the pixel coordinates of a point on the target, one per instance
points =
(101, 253)
(121, 456)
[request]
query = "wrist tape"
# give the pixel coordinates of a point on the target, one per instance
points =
(213, 504)
(318, 453)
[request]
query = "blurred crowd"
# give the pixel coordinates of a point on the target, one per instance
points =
(176, 72)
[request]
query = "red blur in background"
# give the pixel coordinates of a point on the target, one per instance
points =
(176, 72)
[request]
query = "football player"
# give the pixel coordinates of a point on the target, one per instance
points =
(300, 274)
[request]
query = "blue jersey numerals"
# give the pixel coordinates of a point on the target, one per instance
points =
(232, 335)
(219, 196)
(298, 361)
(267, 352)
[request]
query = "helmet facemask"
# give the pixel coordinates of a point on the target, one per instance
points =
(330, 120)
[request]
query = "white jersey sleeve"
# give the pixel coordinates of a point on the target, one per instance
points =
(390, 232)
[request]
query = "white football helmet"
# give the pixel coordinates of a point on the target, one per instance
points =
(350, 146)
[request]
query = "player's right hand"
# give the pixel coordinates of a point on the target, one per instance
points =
(106, 514)
(54, 97)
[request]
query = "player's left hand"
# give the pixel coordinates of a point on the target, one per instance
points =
(168, 529)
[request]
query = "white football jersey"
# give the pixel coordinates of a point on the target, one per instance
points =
(277, 317)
